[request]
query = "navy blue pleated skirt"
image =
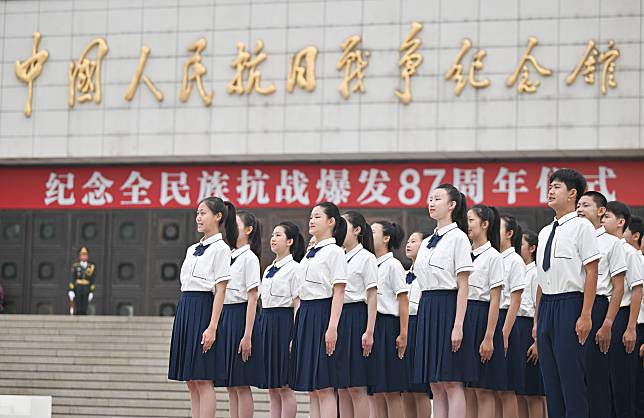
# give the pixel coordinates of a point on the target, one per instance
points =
(352, 366)
(389, 373)
(231, 370)
(411, 347)
(187, 361)
(533, 378)
(492, 374)
(516, 357)
(275, 333)
(310, 368)
(434, 360)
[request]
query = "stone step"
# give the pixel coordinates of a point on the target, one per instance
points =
(22, 318)
(84, 368)
(38, 351)
(117, 361)
(90, 332)
(87, 345)
(117, 339)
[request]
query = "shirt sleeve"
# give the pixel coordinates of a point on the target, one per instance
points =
(221, 265)
(295, 280)
(587, 243)
(634, 274)
(370, 272)
(252, 273)
(517, 279)
(617, 259)
(462, 257)
(397, 277)
(338, 268)
(496, 272)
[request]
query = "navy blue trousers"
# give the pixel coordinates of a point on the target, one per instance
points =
(561, 356)
(623, 369)
(640, 372)
(597, 370)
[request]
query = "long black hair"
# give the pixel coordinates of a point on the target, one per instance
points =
(490, 215)
(255, 236)
(395, 233)
(511, 224)
(365, 237)
(340, 227)
(292, 231)
(228, 218)
(532, 238)
(459, 214)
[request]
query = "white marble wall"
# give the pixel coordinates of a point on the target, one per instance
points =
(558, 120)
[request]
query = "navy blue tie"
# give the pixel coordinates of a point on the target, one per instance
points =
(200, 249)
(232, 260)
(410, 277)
(474, 257)
(271, 271)
(313, 251)
(548, 251)
(433, 241)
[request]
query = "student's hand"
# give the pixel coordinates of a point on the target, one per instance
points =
(582, 327)
(642, 350)
(457, 338)
(486, 349)
(245, 347)
(533, 354)
(367, 343)
(208, 338)
(401, 345)
(602, 338)
(330, 337)
(506, 341)
(629, 338)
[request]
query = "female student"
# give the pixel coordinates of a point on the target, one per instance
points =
(356, 327)
(514, 283)
(442, 268)
(323, 277)
(239, 354)
(483, 335)
(532, 400)
(416, 400)
(390, 377)
(279, 299)
(204, 275)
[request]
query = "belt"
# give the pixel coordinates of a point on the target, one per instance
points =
(82, 282)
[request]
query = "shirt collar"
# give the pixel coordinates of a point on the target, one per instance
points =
(283, 261)
(530, 266)
(600, 231)
(639, 252)
(212, 239)
(354, 251)
(623, 241)
(325, 242)
(508, 252)
(566, 217)
(483, 248)
(239, 251)
(384, 258)
(444, 230)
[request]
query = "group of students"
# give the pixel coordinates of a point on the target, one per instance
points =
(488, 320)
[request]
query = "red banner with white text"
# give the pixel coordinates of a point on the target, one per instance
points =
(373, 185)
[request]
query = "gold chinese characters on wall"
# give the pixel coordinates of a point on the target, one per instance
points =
(85, 74)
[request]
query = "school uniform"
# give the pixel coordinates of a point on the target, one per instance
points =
(565, 247)
(414, 300)
(440, 258)
(275, 327)
(623, 366)
(487, 275)
(514, 275)
(390, 371)
(323, 267)
(206, 264)
(611, 263)
(533, 385)
(232, 371)
(353, 367)
(640, 341)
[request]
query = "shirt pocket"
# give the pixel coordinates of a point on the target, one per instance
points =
(479, 279)
(563, 248)
(310, 276)
(200, 269)
(439, 260)
(280, 288)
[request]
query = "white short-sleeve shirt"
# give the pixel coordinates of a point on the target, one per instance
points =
(634, 274)
(244, 275)
(202, 273)
(514, 275)
(529, 294)
(611, 263)
(437, 267)
(391, 283)
(640, 317)
(280, 290)
(322, 271)
(414, 293)
(362, 274)
(574, 245)
(487, 274)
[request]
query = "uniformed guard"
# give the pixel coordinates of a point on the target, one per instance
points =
(81, 284)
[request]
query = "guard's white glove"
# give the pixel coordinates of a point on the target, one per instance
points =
(90, 297)
(71, 295)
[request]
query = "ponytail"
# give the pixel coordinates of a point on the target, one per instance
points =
(459, 214)
(255, 236)
(340, 227)
(292, 231)
(365, 237)
(533, 240)
(395, 233)
(228, 218)
(511, 224)
(490, 214)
